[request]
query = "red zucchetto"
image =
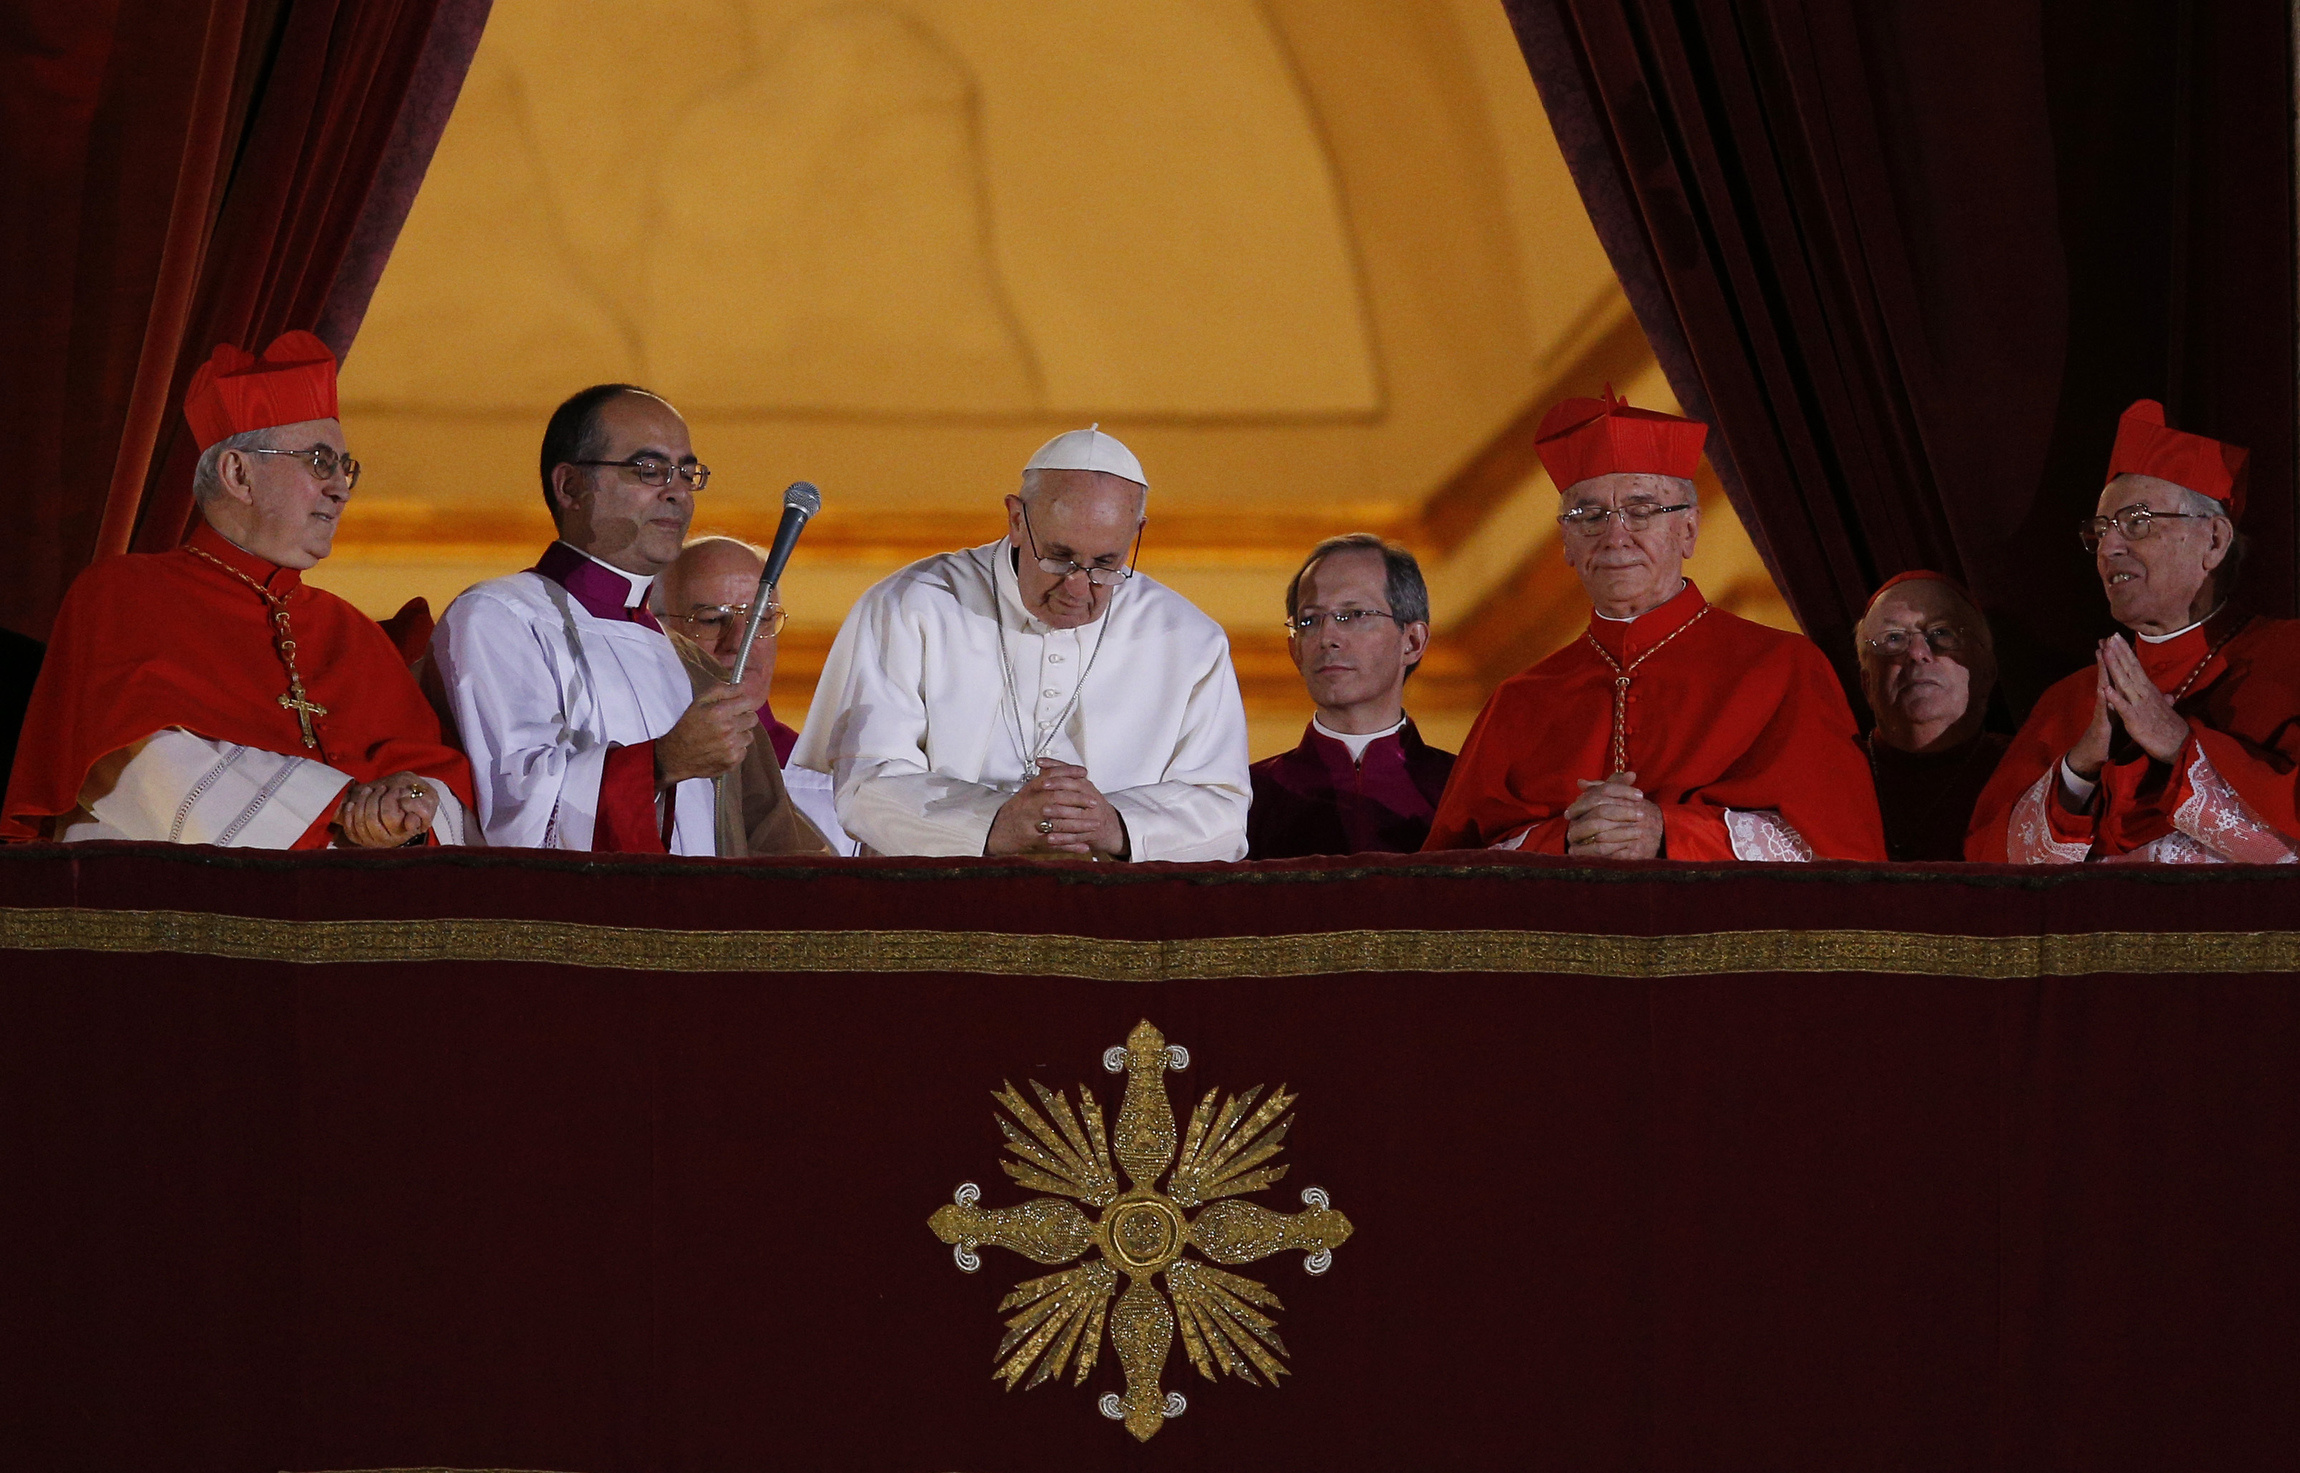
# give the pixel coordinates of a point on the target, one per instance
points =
(1581, 438)
(2145, 446)
(234, 392)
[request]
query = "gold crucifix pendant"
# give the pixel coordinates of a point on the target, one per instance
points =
(305, 710)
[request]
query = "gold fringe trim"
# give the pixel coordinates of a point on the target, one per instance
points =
(1567, 954)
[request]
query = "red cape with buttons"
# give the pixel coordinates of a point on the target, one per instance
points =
(1732, 715)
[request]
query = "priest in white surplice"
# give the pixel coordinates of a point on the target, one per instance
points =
(1037, 696)
(581, 725)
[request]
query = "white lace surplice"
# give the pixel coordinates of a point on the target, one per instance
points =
(2213, 825)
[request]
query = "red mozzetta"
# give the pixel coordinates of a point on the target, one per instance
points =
(1730, 715)
(2242, 679)
(154, 640)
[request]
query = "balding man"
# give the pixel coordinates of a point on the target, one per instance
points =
(1037, 696)
(1928, 664)
(2179, 747)
(704, 602)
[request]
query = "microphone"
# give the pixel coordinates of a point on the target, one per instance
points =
(800, 503)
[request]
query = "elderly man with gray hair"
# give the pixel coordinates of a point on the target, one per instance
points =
(1362, 780)
(1037, 696)
(209, 695)
(2177, 746)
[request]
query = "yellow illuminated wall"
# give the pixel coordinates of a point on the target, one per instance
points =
(1308, 257)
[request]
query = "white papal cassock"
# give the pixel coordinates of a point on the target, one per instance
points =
(544, 681)
(940, 677)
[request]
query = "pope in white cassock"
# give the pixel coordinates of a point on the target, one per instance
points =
(1037, 696)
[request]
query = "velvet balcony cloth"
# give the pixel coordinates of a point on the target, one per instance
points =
(606, 1163)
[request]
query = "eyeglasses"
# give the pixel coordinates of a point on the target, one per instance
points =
(2132, 521)
(654, 470)
(1591, 521)
(719, 616)
(1064, 569)
(324, 463)
(1941, 639)
(1342, 619)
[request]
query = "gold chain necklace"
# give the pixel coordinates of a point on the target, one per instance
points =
(1621, 686)
(283, 641)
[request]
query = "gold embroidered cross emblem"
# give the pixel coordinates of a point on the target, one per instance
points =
(1143, 1233)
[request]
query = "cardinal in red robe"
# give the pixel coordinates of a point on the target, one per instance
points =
(209, 695)
(1671, 729)
(2180, 746)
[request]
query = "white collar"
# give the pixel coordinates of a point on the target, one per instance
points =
(2175, 634)
(1358, 741)
(639, 582)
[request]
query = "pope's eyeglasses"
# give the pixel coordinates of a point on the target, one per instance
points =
(1065, 569)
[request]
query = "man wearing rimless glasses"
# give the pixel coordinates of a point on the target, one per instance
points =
(2180, 746)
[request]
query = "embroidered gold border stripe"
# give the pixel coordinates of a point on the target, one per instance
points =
(568, 943)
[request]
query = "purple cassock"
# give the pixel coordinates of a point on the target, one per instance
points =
(1315, 800)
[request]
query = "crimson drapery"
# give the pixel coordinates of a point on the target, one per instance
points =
(510, 1160)
(1912, 257)
(177, 174)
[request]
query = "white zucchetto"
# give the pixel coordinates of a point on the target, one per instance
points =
(1089, 450)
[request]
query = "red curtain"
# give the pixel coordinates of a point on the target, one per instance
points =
(175, 175)
(1912, 258)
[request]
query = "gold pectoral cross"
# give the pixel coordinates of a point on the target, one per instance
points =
(293, 699)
